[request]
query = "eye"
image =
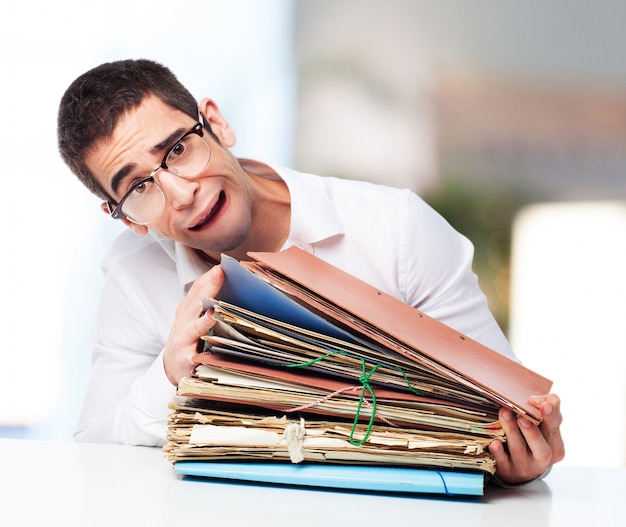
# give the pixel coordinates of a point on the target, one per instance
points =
(178, 150)
(139, 187)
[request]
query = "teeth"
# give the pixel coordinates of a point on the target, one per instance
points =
(203, 220)
(215, 207)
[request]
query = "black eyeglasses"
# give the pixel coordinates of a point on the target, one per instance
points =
(145, 200)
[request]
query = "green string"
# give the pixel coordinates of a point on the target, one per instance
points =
(334, 352)
(313, 361)
(408, 383)
(364, 378)
(365, 382)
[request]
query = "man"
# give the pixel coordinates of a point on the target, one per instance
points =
(163, 166)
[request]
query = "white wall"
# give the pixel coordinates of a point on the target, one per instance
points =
(235, 51)
(567, 319)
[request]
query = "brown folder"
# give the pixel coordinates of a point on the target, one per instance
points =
(305, 378)
(284, 390)
(376, 315)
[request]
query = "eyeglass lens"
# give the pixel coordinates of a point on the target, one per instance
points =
(186, 159)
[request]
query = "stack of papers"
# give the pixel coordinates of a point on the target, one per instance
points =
(308, 365)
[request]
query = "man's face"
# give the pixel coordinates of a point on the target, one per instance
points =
(211, 211)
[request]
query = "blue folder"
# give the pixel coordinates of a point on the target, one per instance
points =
(246, 290)
(346, 477)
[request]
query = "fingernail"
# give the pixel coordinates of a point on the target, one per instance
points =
(548, 409)
(507, 415)
(525, 423)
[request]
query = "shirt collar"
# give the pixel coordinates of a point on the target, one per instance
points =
(189, 265)
(313, 215)
(313, 220)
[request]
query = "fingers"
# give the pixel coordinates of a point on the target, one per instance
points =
(190, 324)
(203, 324)
(550, 407)
(540, 452)
(210, 282)
(205, 286)
(525, 453)
(529, 449)
(516, 461)
(503, 463)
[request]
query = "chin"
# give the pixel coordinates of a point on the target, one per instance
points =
(224, 245)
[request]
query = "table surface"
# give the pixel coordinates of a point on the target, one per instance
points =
(49, 483)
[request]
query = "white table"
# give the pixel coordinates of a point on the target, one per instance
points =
(58, 483)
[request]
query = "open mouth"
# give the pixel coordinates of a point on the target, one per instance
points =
(221, 200)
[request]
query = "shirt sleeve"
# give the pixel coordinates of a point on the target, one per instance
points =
(128, 393)
(436, 267)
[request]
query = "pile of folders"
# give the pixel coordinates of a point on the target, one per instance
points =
(309, 365)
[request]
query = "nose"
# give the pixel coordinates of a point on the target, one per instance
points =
(179, 191)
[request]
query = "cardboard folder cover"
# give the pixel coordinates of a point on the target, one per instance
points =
(358, 307)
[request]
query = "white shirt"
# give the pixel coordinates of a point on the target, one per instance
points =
(387, 237)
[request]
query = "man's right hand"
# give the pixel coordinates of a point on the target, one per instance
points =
(189, 325)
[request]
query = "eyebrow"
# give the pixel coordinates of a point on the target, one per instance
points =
(119, 176)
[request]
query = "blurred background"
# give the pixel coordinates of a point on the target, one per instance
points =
(508, 117)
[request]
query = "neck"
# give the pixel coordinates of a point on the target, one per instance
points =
(207, 258)
(270, 212)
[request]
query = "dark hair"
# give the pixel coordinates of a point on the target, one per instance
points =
(93, 104)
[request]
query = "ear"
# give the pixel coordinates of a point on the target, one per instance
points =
(140, 230)
(213, 117)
